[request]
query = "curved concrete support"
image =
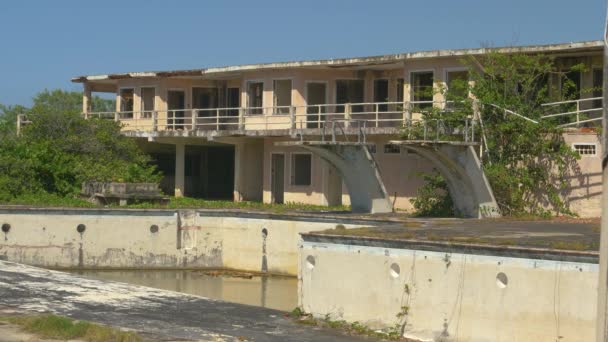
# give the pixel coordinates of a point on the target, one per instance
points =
(360, 173)
(467, 183)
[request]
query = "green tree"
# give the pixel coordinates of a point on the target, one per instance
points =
(60, 149)
(527, 162)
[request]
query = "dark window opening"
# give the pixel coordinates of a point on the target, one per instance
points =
(301, 169)
(147, 102)
(422, 89)
(206, 101)
(400, 90)
(350, 91)
(255, 91)
(598, 86)
(381, 94)
(233, 101)
(126, 103)
(282, 96)
(571, 85)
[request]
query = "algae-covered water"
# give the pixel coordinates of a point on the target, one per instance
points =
(269, 291)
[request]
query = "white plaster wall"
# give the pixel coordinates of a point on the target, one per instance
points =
(122, 239)
(451, 297)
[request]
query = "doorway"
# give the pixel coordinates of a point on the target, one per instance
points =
(176, 103)
(316, 95)
(277, 178)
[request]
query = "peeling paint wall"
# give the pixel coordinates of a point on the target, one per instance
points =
(153, 239)
(450, 297)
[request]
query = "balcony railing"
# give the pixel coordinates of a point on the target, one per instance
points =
(375, 114)
(586, 111)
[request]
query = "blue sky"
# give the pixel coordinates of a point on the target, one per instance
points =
(45, 43)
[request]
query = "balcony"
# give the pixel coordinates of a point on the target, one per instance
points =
(386, 117)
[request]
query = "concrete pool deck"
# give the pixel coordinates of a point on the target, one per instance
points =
(562, 239)
(159, 313)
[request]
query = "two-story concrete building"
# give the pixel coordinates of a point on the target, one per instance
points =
(213, 131)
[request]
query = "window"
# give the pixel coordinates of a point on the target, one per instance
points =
(422, 89)
(255, 92)
(585, 149)
(301, 169)
(147, 102)
(598, 86)
(400, 90)
(349, 91)
(458, 84)
(126, 103)
(571, 85)
(381, 94)
(392, 149)
(233, 101)
(282, 96)
(371, 148)
(205, 100)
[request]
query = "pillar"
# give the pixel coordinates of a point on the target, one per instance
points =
(86, 99)
(238, 182)
(180, 164)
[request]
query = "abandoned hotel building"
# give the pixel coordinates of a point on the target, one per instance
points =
(216, 133)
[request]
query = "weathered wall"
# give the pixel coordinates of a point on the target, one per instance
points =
(585, 191)
(125, 238)
(450, 297)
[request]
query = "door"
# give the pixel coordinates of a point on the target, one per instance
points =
(176, 104)
(277, 179)
(316, 94)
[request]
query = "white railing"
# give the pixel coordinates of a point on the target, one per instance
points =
(376, 114)
(579, 109)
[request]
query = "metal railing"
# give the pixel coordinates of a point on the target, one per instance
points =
(376, 114)
(577, 109)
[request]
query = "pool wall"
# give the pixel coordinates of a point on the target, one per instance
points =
(94, 238)
(449, 295)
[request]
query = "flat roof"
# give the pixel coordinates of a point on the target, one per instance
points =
(351, 62)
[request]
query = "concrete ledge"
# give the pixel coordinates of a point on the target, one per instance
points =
(455, 247)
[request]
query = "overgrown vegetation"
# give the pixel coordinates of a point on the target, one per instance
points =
(186, 202)
(57, 327)
(59, 150)
(527, 163)
(433, 199)
(54, 200)
(394, 333)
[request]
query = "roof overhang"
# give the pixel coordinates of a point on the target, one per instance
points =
(386, 61)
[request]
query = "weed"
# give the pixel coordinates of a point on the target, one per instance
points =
(296, 313)
(57, 327)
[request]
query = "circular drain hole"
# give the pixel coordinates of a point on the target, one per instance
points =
(81, 228)
(6, 227)
(310, 262)
(395, 270)
(154, 228)
(502, 280)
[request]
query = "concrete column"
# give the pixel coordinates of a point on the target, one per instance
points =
(86, 99)
(180, 163)
(238, 178)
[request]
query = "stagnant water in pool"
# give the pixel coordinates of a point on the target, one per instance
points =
(270, 292)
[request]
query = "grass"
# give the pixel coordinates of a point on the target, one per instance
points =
(187, 202)
(50, 200)
(57, 327)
